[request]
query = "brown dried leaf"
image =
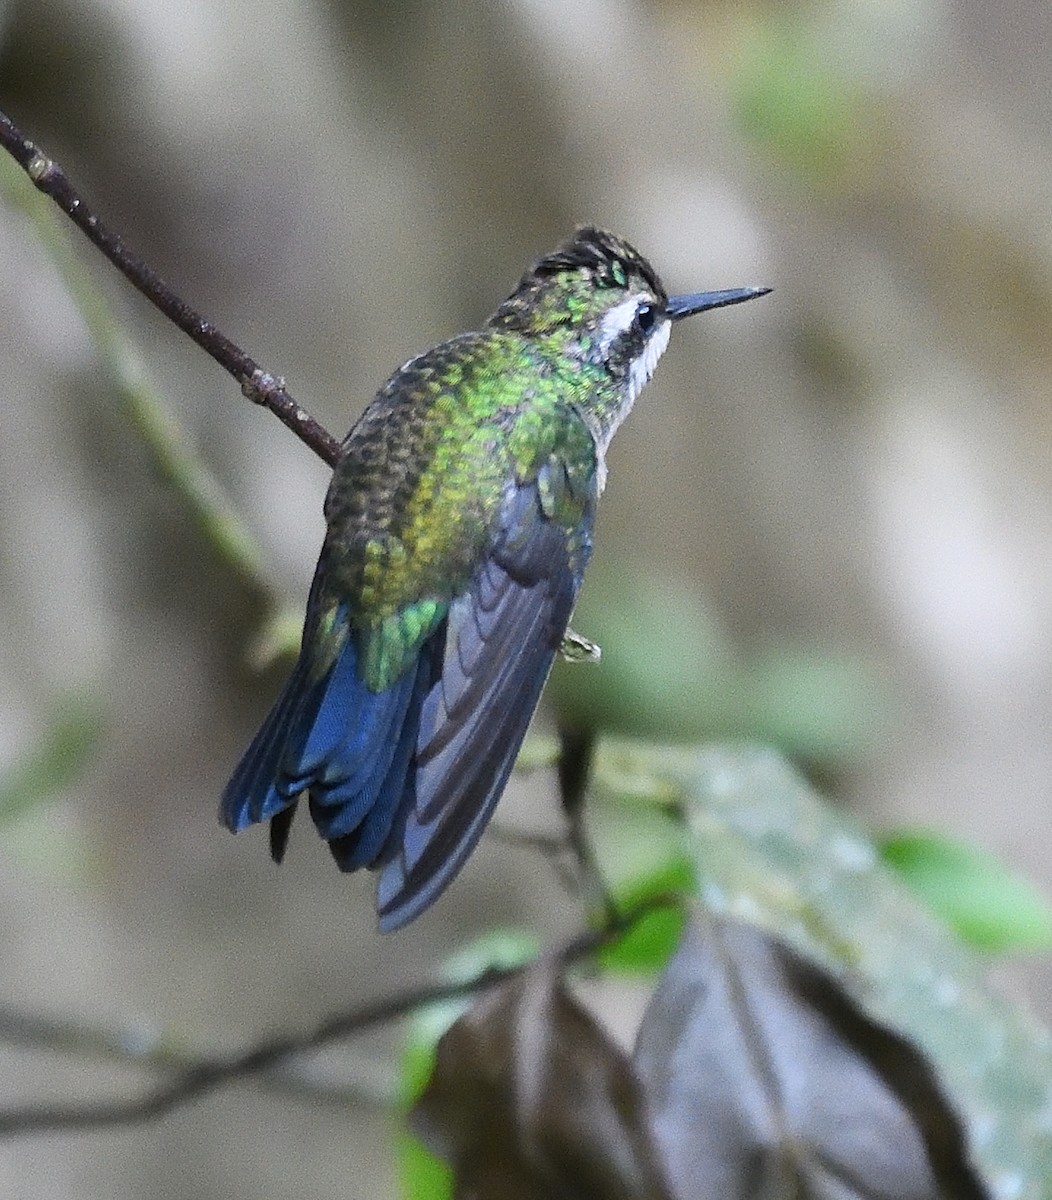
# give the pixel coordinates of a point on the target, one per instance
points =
(766, 1080)
(530, 1100)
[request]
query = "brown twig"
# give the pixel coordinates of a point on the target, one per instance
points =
(208, 1074)
(258, 384)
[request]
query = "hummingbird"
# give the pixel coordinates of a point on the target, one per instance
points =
(459, 525)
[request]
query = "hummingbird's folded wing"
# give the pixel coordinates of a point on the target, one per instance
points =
(501, 638)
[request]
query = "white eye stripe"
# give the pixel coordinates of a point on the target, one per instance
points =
(617, 321)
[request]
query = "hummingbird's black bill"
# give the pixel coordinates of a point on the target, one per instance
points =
(696, 302)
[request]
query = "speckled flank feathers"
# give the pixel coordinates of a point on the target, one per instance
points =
(459, 527)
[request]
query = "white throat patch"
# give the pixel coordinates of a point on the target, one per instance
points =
(641, 370)
(613, 325)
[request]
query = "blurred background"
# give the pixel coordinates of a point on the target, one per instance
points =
(827, 525)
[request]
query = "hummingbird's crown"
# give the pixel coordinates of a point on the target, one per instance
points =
(561, 287)
(611, 261)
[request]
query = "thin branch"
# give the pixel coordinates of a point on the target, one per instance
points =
(135, 1046)
(208, 1074)
(258, 384)
(198, 489)
(576, 759)
(555, 849)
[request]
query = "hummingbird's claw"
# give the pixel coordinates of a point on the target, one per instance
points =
(575, 648)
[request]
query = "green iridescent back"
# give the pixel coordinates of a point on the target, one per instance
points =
(413, 504)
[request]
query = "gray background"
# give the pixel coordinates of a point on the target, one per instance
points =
(860, 462)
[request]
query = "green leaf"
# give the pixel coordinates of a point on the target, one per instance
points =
(64, 748)
(986, 903)
(641, 853)
(423, 1175)
(652, 940)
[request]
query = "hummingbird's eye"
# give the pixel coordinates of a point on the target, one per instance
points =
(646, 319)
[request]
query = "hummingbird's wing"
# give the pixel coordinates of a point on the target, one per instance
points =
(404, 777)
(501, 638)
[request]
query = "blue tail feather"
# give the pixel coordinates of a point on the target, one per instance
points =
(359, 763)
(394, 785)
(346, 745)
(329, 734)
(252, 794)
(348, 785)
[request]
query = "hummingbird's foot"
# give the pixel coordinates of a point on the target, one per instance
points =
(575, 648)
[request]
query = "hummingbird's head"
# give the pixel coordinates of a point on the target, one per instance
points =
(597, 300)
(595, 289)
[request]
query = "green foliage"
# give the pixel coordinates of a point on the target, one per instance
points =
(647, 946)
(640, 854)
(795, 103)
(66, 744)
(988, 905)
(769, 852)
(670, 673)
